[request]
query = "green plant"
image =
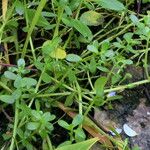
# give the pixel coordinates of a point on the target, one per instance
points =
(75, 130)
(76, 52)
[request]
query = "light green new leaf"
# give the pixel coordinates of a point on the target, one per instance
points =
(82, 28)
(73, 58)
(7, 99)
(111, 4)
(91, 18)
(99, 86)
(58, 53)
(10, 75)
(33, 125)
(86, 145)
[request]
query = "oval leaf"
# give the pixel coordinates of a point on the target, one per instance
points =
(10, 75)
(59, 53)
(82, 28)
(73, 58)
(111, 4)
(7, 99)
(99, 86)
(91, 18)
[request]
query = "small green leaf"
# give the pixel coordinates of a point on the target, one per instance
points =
(134, 19)
(28, 82)
(19, 8)
(79, 135)
(91, 18)
(111, 4)
(92, 65)
(69, 99)
(10, 75)
(82, 28)
(73, 58)
(7, 99)
(21, 63)
(58, 53)
(50, 45)
(109, 53)
(33, 125)
(99, 86)
(16, 94)
(92, 48)
(77, 120)
(64, 124)
(18, 82)
(85, 145)
(36, 114)
(46, 78)
(48, 117)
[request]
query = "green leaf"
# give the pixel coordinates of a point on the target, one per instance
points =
(58, 53)
(18, 82)
(92, 48)
(19, 7)
(64, 124)
(7, 99)
(10, 75)
(21, 63)
(28, 82)
(98, 101)
(17, 94)
(79, 135)
(111, 4)
(48, 117)
(69, 99)
(82, 28)
(50, 45)
(99, 86)
(77, 120)
(109, 53)
(41, 22)
(73, 58)
(33, 125)
(91, 18)
(92, 65)
(36, 114)
(46, 78)
(86, 145)
(134, 19)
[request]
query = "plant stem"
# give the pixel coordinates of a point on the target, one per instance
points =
(33, 23)
(15, 125)
(146, 59)
(49, 143)
(79, 97)
(5, 87)
(60, 13)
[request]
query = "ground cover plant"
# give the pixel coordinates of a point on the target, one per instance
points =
(59, 60)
